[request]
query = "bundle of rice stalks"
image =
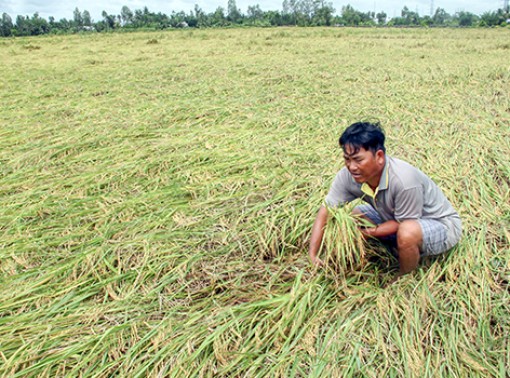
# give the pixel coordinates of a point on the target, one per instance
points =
(343, 248)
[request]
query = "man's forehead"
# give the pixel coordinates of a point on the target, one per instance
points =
(351, 151)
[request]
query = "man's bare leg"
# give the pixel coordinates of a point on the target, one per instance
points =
(409, 240)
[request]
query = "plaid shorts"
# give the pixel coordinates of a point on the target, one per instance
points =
(435, 240)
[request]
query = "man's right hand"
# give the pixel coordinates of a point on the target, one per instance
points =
(317, 262)
(316, 237)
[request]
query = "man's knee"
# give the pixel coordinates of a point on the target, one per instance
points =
(409, 234)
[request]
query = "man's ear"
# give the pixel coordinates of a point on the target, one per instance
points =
(379, 157)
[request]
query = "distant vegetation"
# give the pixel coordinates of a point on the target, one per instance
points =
(293, 12)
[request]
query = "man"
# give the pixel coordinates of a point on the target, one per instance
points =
(401, 200)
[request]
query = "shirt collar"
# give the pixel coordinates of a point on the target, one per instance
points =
(383, 183)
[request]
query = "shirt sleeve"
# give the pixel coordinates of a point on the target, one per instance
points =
(338, 193)
(409, 204)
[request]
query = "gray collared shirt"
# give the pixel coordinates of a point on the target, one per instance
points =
(404, 192)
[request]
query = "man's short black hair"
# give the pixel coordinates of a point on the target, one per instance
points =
(368, 135)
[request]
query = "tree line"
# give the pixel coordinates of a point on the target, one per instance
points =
(293, 12)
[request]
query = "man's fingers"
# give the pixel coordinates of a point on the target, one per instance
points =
(318, 262)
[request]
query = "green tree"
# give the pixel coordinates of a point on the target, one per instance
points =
(410, 17)
(305, 13)
(407, 18)
(286, 9)
(26, 26)
(6, 25)
(126, 15)
(322, 13)
(466, 18)
(441, 17)
(37, 25)
(63, 25)
(233, 13)
(254, 12)
(138, 18)
(295, 11)
(142, 17)
(177, 19)
(353, 17)
(77, 18)
(493, 18)
(22, 25)
(288, 12)
(426, 21)
(87, 20)
(218, 17)
(201, 17)
(350, 16)
(109, 20)
(381, 18)
(274, 18)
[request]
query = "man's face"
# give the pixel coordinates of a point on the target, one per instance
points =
(363, 165)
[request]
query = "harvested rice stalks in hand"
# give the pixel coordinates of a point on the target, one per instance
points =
(343, 248)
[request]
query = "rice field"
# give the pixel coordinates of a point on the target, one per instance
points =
(157, 191)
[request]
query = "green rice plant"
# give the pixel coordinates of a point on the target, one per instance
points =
(344, 247)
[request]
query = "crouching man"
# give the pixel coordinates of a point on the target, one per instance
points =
(400, 200)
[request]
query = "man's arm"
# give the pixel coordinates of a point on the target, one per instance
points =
(317, 234)
(384, 229)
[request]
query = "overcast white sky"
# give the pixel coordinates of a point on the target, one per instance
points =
(64, 9)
